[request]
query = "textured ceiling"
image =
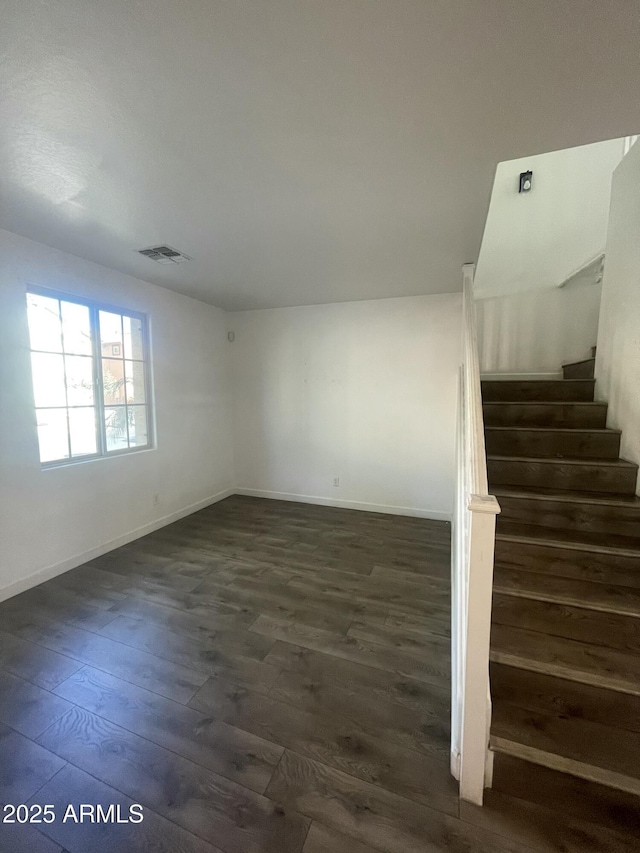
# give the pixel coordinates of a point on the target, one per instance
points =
(300, 151)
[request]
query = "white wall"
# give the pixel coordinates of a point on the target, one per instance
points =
(362, 391)
(538, 331)
(618, 356)
(53, 519)
(537, 239)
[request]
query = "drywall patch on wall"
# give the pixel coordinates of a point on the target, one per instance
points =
(618, 356)
(53, 517)
(351, 403)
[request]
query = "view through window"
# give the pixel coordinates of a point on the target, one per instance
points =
(90, 378)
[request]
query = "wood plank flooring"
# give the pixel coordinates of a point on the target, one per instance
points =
(263, 677)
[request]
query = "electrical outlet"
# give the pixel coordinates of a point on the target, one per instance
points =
(336, 481)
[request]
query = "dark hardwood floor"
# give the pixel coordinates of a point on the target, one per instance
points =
(262, 677)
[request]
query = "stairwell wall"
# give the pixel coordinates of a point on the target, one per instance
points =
(535, 240)
(538, 331)
(618, 355)
(527, 323)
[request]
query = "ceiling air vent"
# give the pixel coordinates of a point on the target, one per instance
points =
(164, 255)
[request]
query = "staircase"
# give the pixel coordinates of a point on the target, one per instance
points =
(565, 639)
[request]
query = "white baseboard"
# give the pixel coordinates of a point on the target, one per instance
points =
(53, 571)
(413, 512)
(454, 764)
(521, 376)
(56, 569)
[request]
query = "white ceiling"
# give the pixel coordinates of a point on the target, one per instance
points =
(301, 151)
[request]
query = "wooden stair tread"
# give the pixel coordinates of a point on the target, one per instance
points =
(520, 390)
(591, 512)
(578, 540)
(568, 560)
(580, 361)
(576, 797)
(554, 761)
(555, 403)
(552, 441)
(549, 694)
(577, 593)
(565, 460)
(613, 476)
(527, 382)
(571, 430)
(593, 750)
(577, 661)
(568, 495)
(596, 628)
(551, 828)
(585, 369)
(585, 414)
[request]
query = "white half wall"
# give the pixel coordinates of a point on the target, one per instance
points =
(618, 356)
(52, 520)
(537, 239)
(361, 392)
(538, 331)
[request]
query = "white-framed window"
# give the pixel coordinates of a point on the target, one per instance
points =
(91, 378)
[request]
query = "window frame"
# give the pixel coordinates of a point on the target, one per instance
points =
(99, 407)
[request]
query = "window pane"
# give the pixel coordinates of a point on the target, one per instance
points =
(79, 380)
(134, 372)
(48, 379)
(115, 424)
(44, 323)
(74, 418)
(113, 381)
(82, 429)
(111, 334)
(52, 434)
(138, 432)
(133, 338)
(76, 328)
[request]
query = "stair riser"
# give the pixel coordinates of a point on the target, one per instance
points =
(549, 694)
(569, 563)
(505, 442)
(588, 478)
(562, 742)
(563, 415)
(580, 370)
(611, 630)
(545, 390)
(565, 515)
(580, 799)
